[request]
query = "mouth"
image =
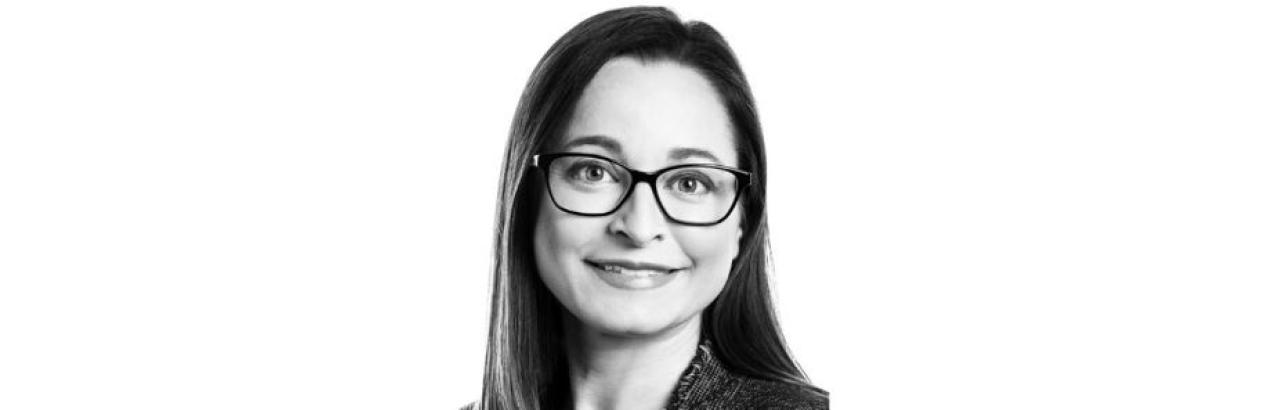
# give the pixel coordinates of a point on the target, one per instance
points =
(631, 268)
(631, 275)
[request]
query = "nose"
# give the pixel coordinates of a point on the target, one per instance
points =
(639, 219)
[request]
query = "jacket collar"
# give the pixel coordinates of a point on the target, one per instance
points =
(704, 377)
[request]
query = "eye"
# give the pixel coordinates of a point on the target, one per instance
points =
(690, 183)
(591, 171)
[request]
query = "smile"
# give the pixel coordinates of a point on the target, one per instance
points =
(631, 269)
(632, 276)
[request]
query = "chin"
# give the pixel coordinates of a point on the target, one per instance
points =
(632, 323)
(631, 329)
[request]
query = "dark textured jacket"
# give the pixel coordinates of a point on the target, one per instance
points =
(707, 384)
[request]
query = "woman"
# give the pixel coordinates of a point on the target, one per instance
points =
(632, 240)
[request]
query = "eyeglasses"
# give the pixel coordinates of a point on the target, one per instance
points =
(593, 185)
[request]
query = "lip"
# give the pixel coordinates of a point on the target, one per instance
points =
(641, 276)
(633, 265)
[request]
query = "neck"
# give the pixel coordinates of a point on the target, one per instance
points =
(627, 372)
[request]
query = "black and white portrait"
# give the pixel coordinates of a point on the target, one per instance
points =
(632, 247)
(281, 204)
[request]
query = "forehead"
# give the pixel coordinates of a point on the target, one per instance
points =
(652, 109)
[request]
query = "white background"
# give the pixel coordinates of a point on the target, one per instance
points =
(997, 205)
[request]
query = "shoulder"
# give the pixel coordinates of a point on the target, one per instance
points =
(737, 391)
(758, 393)
(710, 384)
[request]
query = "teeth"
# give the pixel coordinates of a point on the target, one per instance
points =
(633, 272)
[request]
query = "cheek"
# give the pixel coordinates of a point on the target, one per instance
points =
(559, 241)
(550, 242)
(713, 248)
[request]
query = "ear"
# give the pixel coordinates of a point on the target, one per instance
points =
(737, 246)
(741, 222)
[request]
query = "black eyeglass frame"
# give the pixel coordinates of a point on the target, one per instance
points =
(541, 161)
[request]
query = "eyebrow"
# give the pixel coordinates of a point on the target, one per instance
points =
(613, 147)
(685, 153)
(608, 144)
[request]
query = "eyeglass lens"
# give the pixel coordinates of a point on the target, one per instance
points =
(692, 194)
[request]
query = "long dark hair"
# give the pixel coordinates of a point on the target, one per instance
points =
(525, 363)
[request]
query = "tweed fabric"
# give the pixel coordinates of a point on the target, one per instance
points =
(707, 384)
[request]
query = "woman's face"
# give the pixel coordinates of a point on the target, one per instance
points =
(647, 116)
